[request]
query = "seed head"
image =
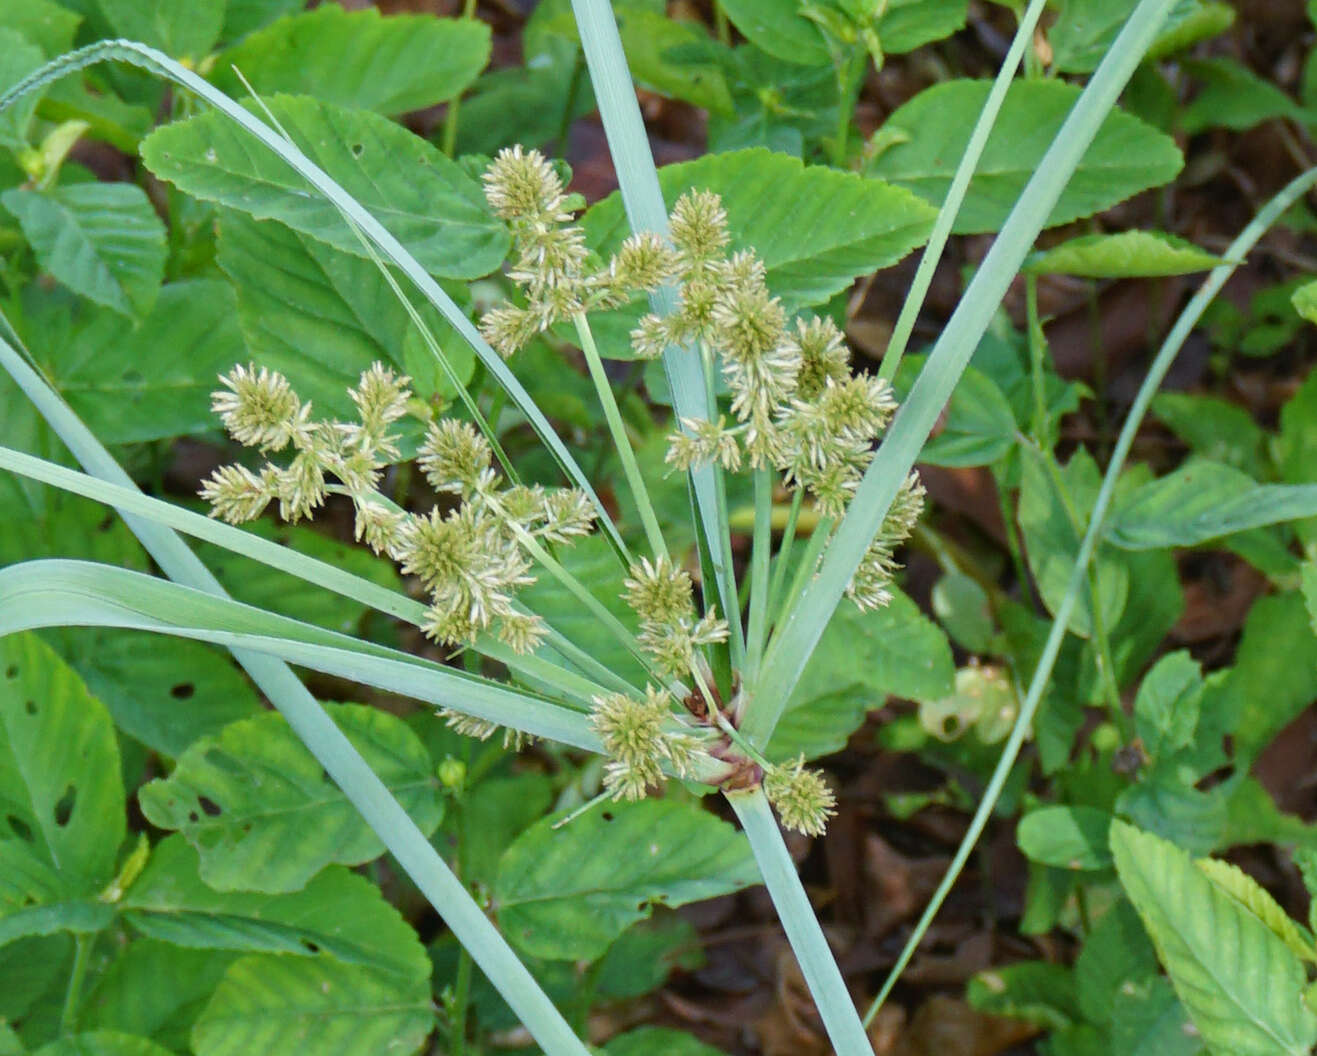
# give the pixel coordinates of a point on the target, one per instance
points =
(236, 494)
(633, 733)
(801, 797)
(456, 458)
(378, 526)
(644, 262)
(381, 398)
(659, 592)
(870, 587)
(699, 228)
(823, 356)
(523, 185)
(701, 442)
(651, 338)
(259, 409)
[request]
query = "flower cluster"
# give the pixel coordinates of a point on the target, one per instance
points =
(801, 797)
(472, 559)
(662, 595)
(551, 264)
(641, 737)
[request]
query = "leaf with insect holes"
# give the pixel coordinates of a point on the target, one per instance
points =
(1241, 985)
(336, 915)
(425, 200)
(266, 817)
(60, 789)
(568, 893)
(1128, 155)
(391, 65)
(102, 240)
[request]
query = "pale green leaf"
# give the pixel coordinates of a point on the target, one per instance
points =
(1203, 501)
(182, 30)
(321, 317)
(1149, 1020)
(264, 815)
(568, 893)
(1066, 837)
(1214, 429)
(102, 240)
(1295, 448)
(658, 1041)
(780, 29)
(674, 58)
(1127, 157)
(280, 1006)
(102, 1043)
(1305, 301)
(336, 916)
(1310, 591)
(18, 57)
(1167, 707)
(43, 22)
(1257, 900)
(1233, 97)
(358, 58)
(424, 199)
(1086, 29)
(1034, 991)
(1126, 255)
(246, 16)
(1116, 955)
(862, 658)
(978, 427)
(60, 786)
(35, 899)
(1241, 986)
(129, 383)
(815, 228)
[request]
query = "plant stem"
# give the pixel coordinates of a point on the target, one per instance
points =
(68, 1017)
(801, 926)
(818, 539)
(454, 107)
(613, 415)
(1189, 318)
(849, 68)
(783, 558)
(760, 556)
(946, 217)
(1037, 356)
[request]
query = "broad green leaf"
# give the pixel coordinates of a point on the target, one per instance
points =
(263, 814)
(1241, 986)
(495, 813)
(861, 659)
(246, 16)
(1149, 1020)
(1214, 429)
(1310, 591)
(18, 57)
(1127, 255)
(165, 693)
(321, 316)
(155, 988)
(1203, 501)
(336, 916)
(359, 59)
(183, 31)
(1255, 898)
(647, 953)
(102, 1043)
(1115, 956)
(276, 591)
(43, 22)
(780, 29)
(658, 1041)
(1296, 447)
(36, 900)
(1305, 301)
(129, 383)
(1153, 606)
(1233, 97)
(978, 427)
(1066, 837)
(1034, 991)
(568, 893)
(29, 970)
(280, 1006)
(10, 1045)
(1166, 709)
(1052, 539)
(1086, 29)
(1167, 806)
(815, 228)
(1127, 157)
(962, 607)
(60, 787)
(102, 240)
(427, 201)
(673, 57)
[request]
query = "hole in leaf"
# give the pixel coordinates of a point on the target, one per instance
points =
(607, 815)
(182, 691)
(133, 377)
(193, 817)
(106, 524)
(358, 149)
(20, 828)
(11, 671)
(30, 707)
(64, 808)
(309, 946)
(207, 804)
(951, 725)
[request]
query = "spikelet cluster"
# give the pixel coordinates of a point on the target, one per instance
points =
(471, 559)
(801, 797)
(662, 595)
(641, 737)
(555, 272)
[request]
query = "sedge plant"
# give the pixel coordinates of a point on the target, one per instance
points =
(756, 392)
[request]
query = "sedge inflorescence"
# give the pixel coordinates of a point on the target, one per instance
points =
(471, 558)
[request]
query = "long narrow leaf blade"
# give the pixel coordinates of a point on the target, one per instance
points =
(805, 623)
